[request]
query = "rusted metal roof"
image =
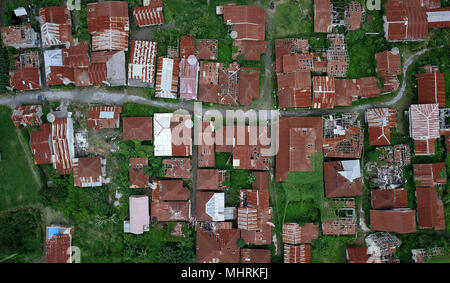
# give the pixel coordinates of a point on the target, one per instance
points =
(262, 180)
(189, 72)
(430, 175)
(297, 254)
(322, 16)
(430, 209)
(27, 115)
(342, 178)
(149, 15)
(294, 89)
(19, 36)
(248, 85)
(141, 67)
(405, 20)
(169, 190)
(25, 79)
(57, 247)
(56, 28)
(380, 122)
(431, 88)
(62, 141)
(167, 77)
(438, 18)
(299, 137)
(294, 234)
(101, 117)
(87, 172)
(357, 255)
(390, 198)
(187, 46)
(140, 128)
(177, 168)
(248, 147)
(289, 46)
(399, 221)
(40, 145)
(324, 91)
(347, 91)
(108, 23)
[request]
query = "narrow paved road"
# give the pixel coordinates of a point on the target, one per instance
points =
(93, 95)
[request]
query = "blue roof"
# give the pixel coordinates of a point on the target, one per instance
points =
(52, 231)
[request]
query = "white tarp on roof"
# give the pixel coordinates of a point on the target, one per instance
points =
(438, 16)
(167, 78)
(162, 134)
(52, 58)
(352, 170)
(19, 12)
(215, 207)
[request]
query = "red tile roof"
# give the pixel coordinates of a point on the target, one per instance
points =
(431, 88)
(341, 181)
(430, 209)
(40, 145)
(389, 63)
(248, 153)
(87, 171)
(354, 15)
(255, 256)
(229, 84)
(297, 254)
(322, 16)
(170, 190)
(399, 221)
(177, 168)
(27, 115)
(170, 201)
(248, 85)
(206, 149)
(149, 15)
(138, 179)
(357, 255)
(380, 121)
(387, 199)
(341, 226)
(60, 75)
(249, 22)
(187, 46)
(56, 249)
(140, 128)
(206, 49)
(324, 91)
(210, 179)
(299, 137)
(108, 23)
(424, 122)
(430, 175)
(218, 246)
(25, 79)
(208, 86)
(289, 46)
(101, 117)
(294, 234)
(251, 50)
(294, 89)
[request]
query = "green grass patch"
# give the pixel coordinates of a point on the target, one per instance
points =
(18, 187)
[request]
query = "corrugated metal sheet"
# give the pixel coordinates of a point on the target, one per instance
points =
(399, 221)
(167, 78)
(141, 67)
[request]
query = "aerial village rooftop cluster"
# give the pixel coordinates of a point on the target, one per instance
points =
(305, 78)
